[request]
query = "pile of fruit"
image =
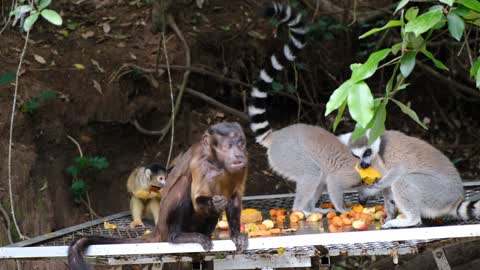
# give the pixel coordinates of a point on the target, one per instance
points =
(358, 218)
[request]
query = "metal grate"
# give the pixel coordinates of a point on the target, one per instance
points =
(264, 203)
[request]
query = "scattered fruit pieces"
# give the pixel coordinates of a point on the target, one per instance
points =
(314, 217)
(360, 224)
(281, 212)
(379, 215)
(250, 215)
(300, 214)
(357, 208)
(281, 219)
(268, 223)
(327, 205)
(223, 225)
(294, 218)
(332, 228)
(331, 214)
(109, 226)
(368, 210)
(337, 221)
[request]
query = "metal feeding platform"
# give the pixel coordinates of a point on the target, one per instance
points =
(311, 244)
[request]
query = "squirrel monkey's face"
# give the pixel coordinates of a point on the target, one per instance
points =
(158, 179)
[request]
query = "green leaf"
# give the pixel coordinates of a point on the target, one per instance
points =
(472, 4)
(473, 69)
(338, 97)
(360, 103)
(99, 163)
(358, 132)
(276, 86)
(82, 162)
(437, 63)
(464, 12)
(339, 114)
(7, 77)
(477, 81)
(393, 23)
(448, 2)
(368, 68)
(43, 4)
(378, 126)
(401, 5)
(403, 86)
(396, 48)
(413, 41)
(73, 170)
(52, 16)
(411, 13)
(79, 185)
(29, 21)
(23, 9)
(456, 25)
(424, 22)
(407, 63)
(406, 110)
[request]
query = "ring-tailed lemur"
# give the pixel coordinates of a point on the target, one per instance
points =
(417, 178)
(309, 155)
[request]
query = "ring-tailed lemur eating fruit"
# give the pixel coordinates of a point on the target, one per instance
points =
(417, 179)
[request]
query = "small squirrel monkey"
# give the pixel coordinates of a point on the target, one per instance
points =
(145, 185)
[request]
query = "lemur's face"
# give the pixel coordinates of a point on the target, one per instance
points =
(360, 148)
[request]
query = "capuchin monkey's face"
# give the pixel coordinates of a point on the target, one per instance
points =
(232, 151)
(228, 145)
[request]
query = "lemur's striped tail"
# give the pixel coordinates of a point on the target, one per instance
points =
(257, 100)
(468, 210)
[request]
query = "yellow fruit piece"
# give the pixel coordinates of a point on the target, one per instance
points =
(280, 250)
(146, 232)
(109, 226)
(369, 175)
(250, 215)
(224, 215)
(314, 217)
(300, 214)
(268, 223)
(251, 227)
(79, 66)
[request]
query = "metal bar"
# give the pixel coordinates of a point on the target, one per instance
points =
(289, 241)
(269, 262)
(61, 232)
(441, 259)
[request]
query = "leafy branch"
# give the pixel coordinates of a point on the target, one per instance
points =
(415, 30)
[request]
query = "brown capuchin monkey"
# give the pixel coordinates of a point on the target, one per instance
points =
(207, 179)
(145, 185)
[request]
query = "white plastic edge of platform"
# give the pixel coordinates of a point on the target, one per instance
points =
(430, 233)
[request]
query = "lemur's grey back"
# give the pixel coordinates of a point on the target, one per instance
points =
(417, 156)
(305, 149)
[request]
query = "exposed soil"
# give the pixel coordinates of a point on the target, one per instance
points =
(97, 108)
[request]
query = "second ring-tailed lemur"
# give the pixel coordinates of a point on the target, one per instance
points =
(308, 155)
(417, 179)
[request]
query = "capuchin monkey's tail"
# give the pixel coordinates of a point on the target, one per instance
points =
(77, 247)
